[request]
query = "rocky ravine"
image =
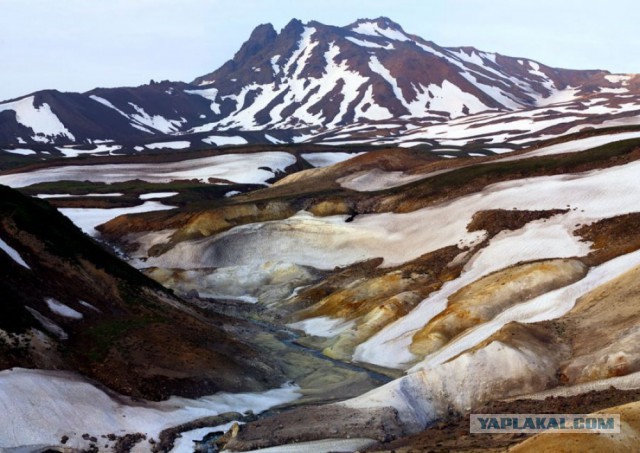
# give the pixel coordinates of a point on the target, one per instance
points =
(476, 271)
(119, 359)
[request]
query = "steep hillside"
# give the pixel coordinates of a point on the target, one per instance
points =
(69, 304)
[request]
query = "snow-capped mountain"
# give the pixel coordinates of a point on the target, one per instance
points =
(310, 81)
(322, 76)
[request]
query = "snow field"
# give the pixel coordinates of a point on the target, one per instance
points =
(329, 158)
(42, 406)
(44, 196)
(320, 446)
(223, 140)
(156, 195)
(87, 219)
(239, 168)
(575, 146)
(170, 145)
(20, 151)
(592, 196)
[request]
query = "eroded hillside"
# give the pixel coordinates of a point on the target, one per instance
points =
(497, 268)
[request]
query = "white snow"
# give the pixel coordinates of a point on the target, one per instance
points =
(224, 140)
(48, 324)
(273, 140)
(61, 309)
(493, 372)
(69, 151)
(376, 179)
(239, 168)
(369, 109)
(627, 382)
(575, 146)
(185, 443)
(596, 195)
(142, 120)
(88, 305)
(13, 254)
(274, 64)
(107, 103)
(70, 195)
(328, 158)
(369, 44)
(157, 122)
(210, 94)
(619, 78)
(376, 66)
(503, 127)
(156, 195)
(548, 306)
(323, 326)
(448, 98)
(21, 151)
(87, 219)
(44, 123)
(42, 406)
(170, 145)
(372, 29)
(320, 446)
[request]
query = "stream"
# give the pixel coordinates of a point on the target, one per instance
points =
(323, 380)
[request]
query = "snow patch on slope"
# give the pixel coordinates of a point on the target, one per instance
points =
(328, 158)
(44, 123)
(20, 151)
(369, 44)
(170, 145)
(13, 254)
(62, 310)
(575, 146)
(551, 305)
(224, 140)
(87, 219)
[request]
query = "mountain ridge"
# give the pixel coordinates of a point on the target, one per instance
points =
(309, 80)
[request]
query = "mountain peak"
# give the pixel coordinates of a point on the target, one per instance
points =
(381, 22)
(380, 27)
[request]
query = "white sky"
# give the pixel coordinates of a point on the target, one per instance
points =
(76, 45)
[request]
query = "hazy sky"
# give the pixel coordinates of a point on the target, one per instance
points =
(76, 45)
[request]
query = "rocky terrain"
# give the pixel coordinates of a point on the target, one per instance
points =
(402, 234)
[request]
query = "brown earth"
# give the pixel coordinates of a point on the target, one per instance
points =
(454, 435)
(611, 237)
